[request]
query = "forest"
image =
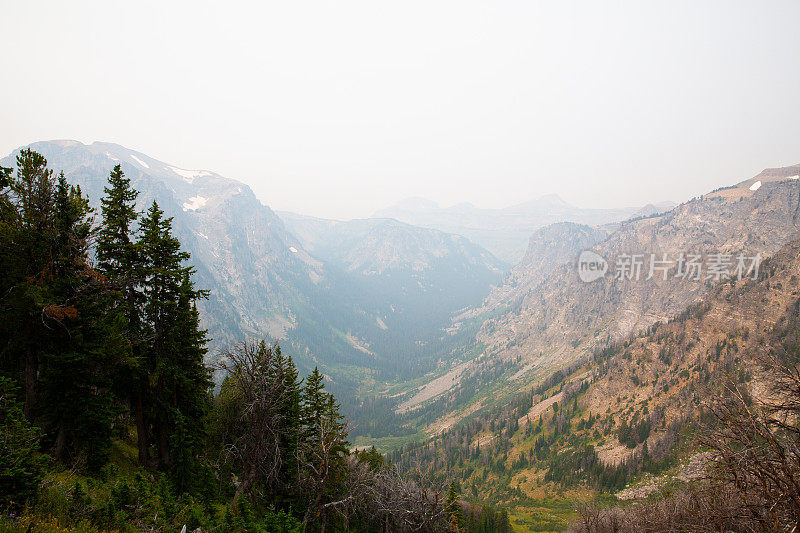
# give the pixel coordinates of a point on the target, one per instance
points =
(109, 418)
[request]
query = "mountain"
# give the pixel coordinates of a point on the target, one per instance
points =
(415, 278)
(258, 273)
(505, 232)
(543, 317)
(369, 308)
(561, 316)
(548, 248)
(587, 386)
(383, 247)
(629, 413)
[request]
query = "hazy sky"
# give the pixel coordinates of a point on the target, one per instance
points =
(339, 108)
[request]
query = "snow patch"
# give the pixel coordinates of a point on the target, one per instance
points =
(203, 235)
(195, 203)
(293, 249)
(755, 186)
(108, 155)
(145, 165)
(189, 175)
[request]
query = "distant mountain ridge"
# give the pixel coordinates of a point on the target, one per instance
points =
(422, 276)
(361, 244)
(505, 232)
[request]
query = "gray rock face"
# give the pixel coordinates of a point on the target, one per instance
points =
(240, 248)
(558, 314)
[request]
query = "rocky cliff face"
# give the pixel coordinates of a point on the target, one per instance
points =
(549, 248)
(258, 273)
(559, 316)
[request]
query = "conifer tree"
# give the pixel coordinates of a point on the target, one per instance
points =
(453, 508)
(323, 444)
(178, 380)
(314, 399)
(284, 371)
(119, 260)
(33, 194)
(84, 342)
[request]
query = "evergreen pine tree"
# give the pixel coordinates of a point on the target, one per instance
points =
(84, 342)
(173, 356)
(453, 508)
(284, 370)
(314, 400)
(118, 258)
(32, 235)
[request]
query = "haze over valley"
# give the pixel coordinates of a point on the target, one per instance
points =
(457, 267)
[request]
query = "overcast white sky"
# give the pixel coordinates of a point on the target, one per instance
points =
(339, 108)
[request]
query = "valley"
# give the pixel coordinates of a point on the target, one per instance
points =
(398, 267)
(525, 384)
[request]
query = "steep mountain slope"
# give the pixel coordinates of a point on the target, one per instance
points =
(561, 316)
(548, 248)
(263, 281)
(398, 257)
(600, 423)
(505, 232)
(538, 321)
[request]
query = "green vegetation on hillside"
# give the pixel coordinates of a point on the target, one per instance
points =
(107, 416)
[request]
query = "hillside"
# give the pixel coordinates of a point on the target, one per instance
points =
(560, 317)
(629, 413)
(539, 321)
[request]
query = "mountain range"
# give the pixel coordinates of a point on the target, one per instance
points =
(417, 328)
(544, 318)
(505, 232)
(366, 301)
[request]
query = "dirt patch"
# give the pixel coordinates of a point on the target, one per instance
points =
(540, 408)
(693, 470)
(445, 423)
(612, 453)
(434, 388)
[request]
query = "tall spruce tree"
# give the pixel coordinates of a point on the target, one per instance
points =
(32, 235)
(285, 373)
(119, 259)
(322, 448)
(314, 400)
(178, 380)
(85, 342)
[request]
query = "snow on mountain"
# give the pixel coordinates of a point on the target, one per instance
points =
(145, 165)
(195, 203)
